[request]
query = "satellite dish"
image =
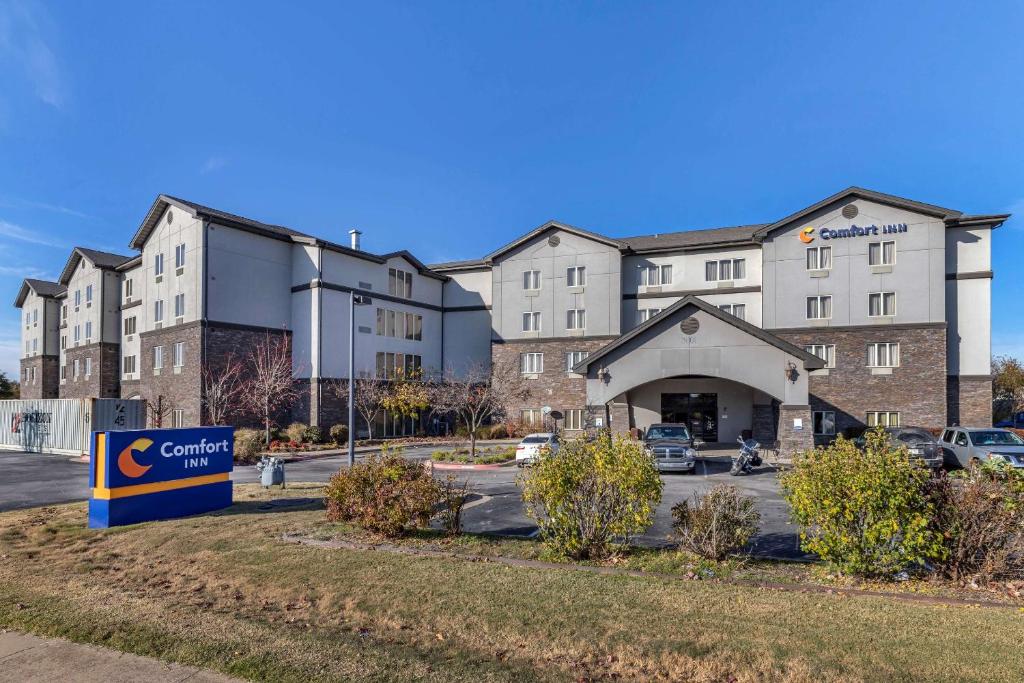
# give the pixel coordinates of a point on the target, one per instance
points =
(546, 410)
(556, 415)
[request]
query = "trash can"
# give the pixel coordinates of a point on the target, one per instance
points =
(271, 471)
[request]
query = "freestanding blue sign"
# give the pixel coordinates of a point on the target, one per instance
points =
(147, 474)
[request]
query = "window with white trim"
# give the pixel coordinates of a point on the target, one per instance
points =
(738, 310)
(64, 312)
(158, 357)
(129, 326)
(35, 346)
(78, 336)
(531, 280)
(826, 352)
(88, 294)
(819, 258)
(179, 256)
(655, 276)
(532, 417)
(884, 355)
(63, 373)
(575, 319)
(881, 304)
(158, 310)
(395, 365)
(78, 368)
(177, 418)
(819, 307)
(883, 418)
(400, 283)
(128, 287)
(88, 331)
(574, 418)
(824, 422)
(645, 314)
(531, 363)
(576, 276)
(179, 354)
(179, 305)
(63, 341)
(88, 367)
(574, 358)
(531, 321)
(128, 365)
(78, 298)
(725, 269)
(881, 253)
(158, 265)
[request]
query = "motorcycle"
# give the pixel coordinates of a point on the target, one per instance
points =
(748, 457)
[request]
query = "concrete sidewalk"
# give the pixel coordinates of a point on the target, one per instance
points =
(30, 659)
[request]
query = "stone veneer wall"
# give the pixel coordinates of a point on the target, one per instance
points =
(917, 389)
(554, 387)
(223, 342)
(791, 439)
(105, 380)
(173, 390)
(47, 370)
(969, 400)
(332, 402)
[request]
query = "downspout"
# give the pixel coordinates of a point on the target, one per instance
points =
(103, 332)
(319, 332)
(203, 330)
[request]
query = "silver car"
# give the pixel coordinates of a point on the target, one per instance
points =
(970, 447)
(671, 447)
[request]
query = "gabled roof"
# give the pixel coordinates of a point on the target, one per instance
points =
(100, 259)
(130, 263)
(420, 266)
(43, 288)
(861, 193)
(810, 360)
(689, 239)
(451, 266)
(547, 227)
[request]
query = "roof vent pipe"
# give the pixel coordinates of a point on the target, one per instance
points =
(353, 236)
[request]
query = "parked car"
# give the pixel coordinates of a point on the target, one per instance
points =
(1015, 422)
(533, 445)
(671, 446)
(975, 446)
(919, 442)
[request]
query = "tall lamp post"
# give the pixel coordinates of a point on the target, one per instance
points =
(353, 301)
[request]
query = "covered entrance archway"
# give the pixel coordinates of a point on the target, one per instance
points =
(698, 411)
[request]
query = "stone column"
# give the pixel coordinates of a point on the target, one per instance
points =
(794, 437)
(618, 414)
(764, 424)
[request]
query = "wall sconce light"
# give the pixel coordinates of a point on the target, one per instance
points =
(790, 372)
(602, 374)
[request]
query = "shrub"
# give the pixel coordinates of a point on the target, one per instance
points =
(386, 494)
(248, 444)
(312, 434)
(296, 432)
(498, 431)
(864, 512)
(979, 517)
(453, 499)
(717, 523)
(339, 433)
(591, 493)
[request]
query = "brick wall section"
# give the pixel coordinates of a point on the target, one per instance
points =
(105, 379)
(764, 423)
(969, 401)
(226, 342)
(792, 440)
(332, 403)
(173, 390)
(47, 369)
(917, 389)
(554, 387)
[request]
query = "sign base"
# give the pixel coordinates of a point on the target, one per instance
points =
(105, 513)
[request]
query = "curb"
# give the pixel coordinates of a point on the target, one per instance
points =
(459, 466)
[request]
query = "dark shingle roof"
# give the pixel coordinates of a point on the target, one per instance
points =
(689, 239)
(229, 218)
(104, 259)
(40, 287)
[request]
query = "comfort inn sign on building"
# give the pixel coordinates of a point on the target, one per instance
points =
(142, 475)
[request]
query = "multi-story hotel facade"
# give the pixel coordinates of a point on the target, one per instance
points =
(862, 309)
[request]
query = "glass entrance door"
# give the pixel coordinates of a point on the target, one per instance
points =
(699, 412)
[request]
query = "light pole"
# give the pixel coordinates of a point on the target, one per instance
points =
(353, 301)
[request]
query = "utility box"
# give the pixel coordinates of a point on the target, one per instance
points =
(65, 425)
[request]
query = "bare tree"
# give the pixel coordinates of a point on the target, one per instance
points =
(371, 393)
(479, 393)
(157, 409)
(222, 389)
(270, 385)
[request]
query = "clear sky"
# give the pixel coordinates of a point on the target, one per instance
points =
(449, 128)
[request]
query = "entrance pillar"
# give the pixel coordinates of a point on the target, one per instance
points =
(763, 426)
(618, 414)
(795, 431)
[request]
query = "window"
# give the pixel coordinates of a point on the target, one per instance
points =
(63, 373)
(78, 335)
(413, 326)
(883, 418)
(655, 276)
(399, 283)
(128, 367)
(575, 319)
(35, 345)
(826, 352)
(390, 323)
(961, 439)
(63, 341)
(576, 276)
(78, 298)
(381, 313)
(128, 285)
(179, 256)
(179, 354)
(724, 270)
(824, 422)
(646, 314)
(531, 321)
(531, 363)
(35, 316)
(574, 358)
(158, 357)
(64, 312)
(881, 304)
(819, 307)
(881, 253)
(158, 310)
(574, 418)
(531, 279)
(88, 294)
(129, 326)
(738, 310)
(88, 331)
(531, 416)
(392, 365)
(883, 355)
(88, 367)
(158, 265)
(77, 367)
(179, 305)
(819, 258)
(177, 418)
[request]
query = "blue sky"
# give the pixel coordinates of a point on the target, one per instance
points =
(449, 128)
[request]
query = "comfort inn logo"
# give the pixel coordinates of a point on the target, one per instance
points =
(126, 461)
(805, 235)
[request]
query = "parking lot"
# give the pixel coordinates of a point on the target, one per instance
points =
(31, 479)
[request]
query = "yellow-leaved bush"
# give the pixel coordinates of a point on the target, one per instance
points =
(590, 494)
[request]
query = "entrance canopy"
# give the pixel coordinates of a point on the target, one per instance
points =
(693, 337)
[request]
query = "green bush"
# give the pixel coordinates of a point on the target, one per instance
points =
(296, 432)
(339, 434)
(386, 494)
(716, 524)
(864, 512)
(313, 434)
(248, 444)
(590, 494)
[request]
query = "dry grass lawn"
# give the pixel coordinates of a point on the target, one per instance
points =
(224, 592)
